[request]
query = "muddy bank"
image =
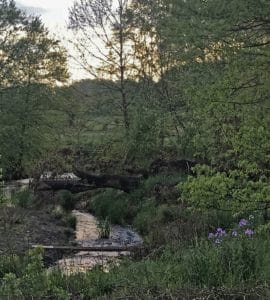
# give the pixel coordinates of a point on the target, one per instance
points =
(19, 228)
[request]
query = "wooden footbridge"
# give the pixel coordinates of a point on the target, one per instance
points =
(89, 249)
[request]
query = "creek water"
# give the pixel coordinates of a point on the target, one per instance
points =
(87, 235)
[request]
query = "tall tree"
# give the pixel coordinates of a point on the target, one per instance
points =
(36, 63)
(228, 101)
(11, 22)
(102, 45)
(158, 59)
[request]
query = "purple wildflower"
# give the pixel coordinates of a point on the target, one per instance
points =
(220, 232)
(249, 232)
(234, 233)
(243, 222)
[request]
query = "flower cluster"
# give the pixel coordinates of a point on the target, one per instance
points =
(241, 231)
(218, 235)
(243, 223)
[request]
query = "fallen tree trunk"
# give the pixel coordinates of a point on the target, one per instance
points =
(77, 186)
(120, 182)
(90, 182)
(87, 181)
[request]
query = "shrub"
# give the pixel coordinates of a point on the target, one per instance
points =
(145, 217)
(70, 220)
(235, 190)
(29, 279)
(151, 215)
(67, 200)
(23, 199)
(114, 205)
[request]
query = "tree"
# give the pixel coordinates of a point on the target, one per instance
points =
(230, 104)
(103, 46)
(211, 64)
(35, 64)
(158, 60)
(11, 22)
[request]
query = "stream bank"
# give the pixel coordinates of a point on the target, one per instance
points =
(22, 227)
(23, 224)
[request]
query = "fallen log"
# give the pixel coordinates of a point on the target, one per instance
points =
(90, 181)
(77, 186)
(121, 182)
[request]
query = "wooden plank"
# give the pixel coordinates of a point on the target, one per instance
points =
(88, 249)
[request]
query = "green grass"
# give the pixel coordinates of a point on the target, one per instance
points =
(234, 265)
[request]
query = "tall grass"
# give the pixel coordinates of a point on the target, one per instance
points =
(236, 264)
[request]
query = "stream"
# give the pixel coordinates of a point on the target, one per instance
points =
(87, 235)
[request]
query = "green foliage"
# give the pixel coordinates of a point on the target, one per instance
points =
(164, 179)
(67, 200)
(26, 278)
(199, 88)
(70, 220)
(104, 228)
(24, 199)
(32, 63)
(229, 264)
(263, 230)
(145, 218)
(233, 264)
(145, 137)
(234, 190)
(152, 217)
(115, 206)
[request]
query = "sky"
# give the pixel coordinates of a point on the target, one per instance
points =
(54, 14)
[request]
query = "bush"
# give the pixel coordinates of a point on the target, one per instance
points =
(10, 264)
(28, 280)
(23, 199)
(67, 200)
(115, 206)
(163, 179)
(235, 190)
(150, 215)
(145, 217)
(70, 220)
